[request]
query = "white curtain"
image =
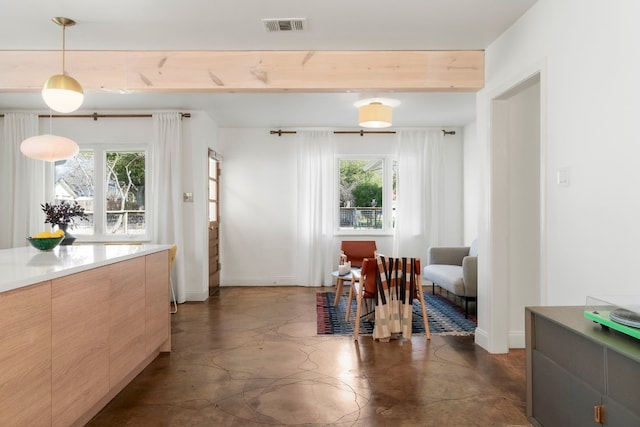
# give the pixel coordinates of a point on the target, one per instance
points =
(167, 191)
(420, 192)
(26, 183)
(316, 165)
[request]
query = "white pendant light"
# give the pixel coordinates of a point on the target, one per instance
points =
(376, 112)
(63, 93)
(50, 148)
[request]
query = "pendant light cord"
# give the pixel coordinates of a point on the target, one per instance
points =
(64, 27)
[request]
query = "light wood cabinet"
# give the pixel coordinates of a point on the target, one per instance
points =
(126, 319)
(25, 356)
(80, 343)
(69, 345)
(157, 295)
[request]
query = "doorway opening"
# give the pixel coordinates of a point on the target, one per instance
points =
(517, 211)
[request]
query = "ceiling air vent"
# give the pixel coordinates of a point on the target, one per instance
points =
(284, 24)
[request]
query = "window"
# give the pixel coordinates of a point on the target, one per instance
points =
(367, 194)
(110, 185)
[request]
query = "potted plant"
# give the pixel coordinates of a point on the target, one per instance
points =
(64, 215)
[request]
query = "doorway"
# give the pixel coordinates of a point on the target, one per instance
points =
(214, 222)
(517, 217)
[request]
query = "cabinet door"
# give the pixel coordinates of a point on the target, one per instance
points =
(623, 381)
(80, 348)
(580, 356)
(616, 415)
(560, 399)
(157, 307)
(126, 318)
(622, 404)
(25, 356)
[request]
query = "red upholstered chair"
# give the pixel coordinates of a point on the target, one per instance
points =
(357, 250)
(363, 287)
(353, 251)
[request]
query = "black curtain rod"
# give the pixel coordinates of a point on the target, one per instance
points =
(96, 116)
(360, 132)
(363, 132)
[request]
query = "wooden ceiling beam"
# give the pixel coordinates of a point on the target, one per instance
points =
(247, 71)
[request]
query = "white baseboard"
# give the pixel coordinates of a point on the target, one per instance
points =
(196, 296)
(260, 281)
(517, 339)
(482, 338)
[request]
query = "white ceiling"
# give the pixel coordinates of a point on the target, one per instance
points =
(237, 25)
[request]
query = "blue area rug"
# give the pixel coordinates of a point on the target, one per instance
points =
(445, 317)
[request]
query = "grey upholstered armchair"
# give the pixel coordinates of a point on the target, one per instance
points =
(455, 269)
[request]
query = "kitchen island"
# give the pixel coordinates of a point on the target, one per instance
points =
(77, 324)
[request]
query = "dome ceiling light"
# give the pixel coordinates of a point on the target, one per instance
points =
(61, 92)
(376, 112)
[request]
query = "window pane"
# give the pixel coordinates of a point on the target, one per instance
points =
(213, 211)
(125, 192)
(213, 168)
(361, 184)
(74, 181)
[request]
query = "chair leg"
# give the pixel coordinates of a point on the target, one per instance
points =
(173, 297)
(425, 319)
(346, 317)
(356, 329)
(339, 283)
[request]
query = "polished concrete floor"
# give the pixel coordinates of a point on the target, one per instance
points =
(250, 357)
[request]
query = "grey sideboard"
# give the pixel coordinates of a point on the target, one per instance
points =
(578, 373)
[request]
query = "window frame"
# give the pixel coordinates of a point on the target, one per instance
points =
(99, 198)
(387, 196)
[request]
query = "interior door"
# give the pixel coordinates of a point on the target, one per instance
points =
(214, 223)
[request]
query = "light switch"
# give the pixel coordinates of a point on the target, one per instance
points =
(563, 177)
(187, 197)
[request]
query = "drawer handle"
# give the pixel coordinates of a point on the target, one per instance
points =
(598, 414)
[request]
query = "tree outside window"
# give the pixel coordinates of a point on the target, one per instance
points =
(361, 193)
(115, 204)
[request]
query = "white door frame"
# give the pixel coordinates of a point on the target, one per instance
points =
(493, 288)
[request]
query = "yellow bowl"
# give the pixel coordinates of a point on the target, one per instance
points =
(45, 243)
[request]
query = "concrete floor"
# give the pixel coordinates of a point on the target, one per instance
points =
(250, 356)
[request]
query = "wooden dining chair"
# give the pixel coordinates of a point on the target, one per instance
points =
(363, 286)
(353, 251)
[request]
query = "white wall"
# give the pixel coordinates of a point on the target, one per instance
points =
(453, 226)
(471, 182)
(258, 202)
(257, 208)
(589, 87)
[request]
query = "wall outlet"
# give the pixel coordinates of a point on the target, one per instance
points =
(187, 197)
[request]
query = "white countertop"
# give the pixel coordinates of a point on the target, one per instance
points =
(26, 266)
